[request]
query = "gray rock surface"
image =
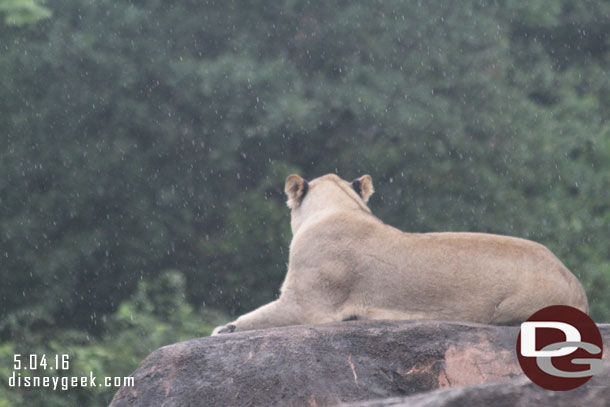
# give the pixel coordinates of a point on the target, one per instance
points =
(518, 392)
(327, 364)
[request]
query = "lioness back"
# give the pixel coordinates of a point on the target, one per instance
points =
(461, 276)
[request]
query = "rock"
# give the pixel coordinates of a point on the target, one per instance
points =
(325, 364)
(514, 393)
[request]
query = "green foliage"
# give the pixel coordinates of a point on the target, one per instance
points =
(20, 12)
(143, 137)
(156, 315)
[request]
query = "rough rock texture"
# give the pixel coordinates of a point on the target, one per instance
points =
(518, 392)
(326, 364)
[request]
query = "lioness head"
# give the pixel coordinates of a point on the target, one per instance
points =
(328, 192)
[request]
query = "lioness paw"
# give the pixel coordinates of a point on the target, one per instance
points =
(225, 329)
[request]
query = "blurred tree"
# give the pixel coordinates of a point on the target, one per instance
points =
(20, 12)
(141, 137)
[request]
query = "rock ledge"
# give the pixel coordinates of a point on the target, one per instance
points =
(325, 365)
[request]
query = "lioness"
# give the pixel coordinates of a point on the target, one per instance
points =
(347, 264)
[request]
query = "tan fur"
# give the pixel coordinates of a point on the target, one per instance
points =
(344, 262)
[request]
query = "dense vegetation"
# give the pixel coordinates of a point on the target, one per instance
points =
(144, 145)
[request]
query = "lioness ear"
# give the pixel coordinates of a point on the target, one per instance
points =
(295, 189)
(363, 187)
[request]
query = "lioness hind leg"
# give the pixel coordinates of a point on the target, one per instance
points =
(509, 312)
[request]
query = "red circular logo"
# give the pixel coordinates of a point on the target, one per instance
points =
(559, 348)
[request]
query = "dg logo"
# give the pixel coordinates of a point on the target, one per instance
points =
(559, 348)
